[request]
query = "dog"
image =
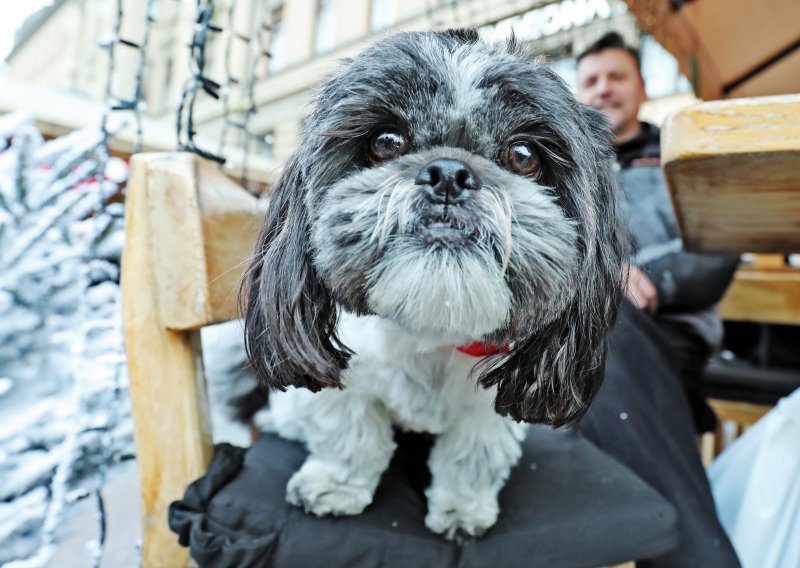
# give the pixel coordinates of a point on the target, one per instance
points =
(441, 254)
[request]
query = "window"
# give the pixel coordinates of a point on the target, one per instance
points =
(383, 14)
(566, 68)
(266, 144)
(276, 61)
(660, 70)
(326, 26)
(168, 68)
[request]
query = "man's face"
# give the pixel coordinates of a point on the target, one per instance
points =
(610, 82)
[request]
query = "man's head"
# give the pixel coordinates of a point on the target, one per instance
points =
(609, 79)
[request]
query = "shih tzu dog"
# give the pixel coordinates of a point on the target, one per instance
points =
(441, 254)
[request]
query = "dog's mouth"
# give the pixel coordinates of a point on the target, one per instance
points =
(446, 227)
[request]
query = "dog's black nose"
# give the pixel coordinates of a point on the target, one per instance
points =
(446, 179)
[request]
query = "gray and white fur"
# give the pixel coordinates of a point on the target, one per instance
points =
(370, 271)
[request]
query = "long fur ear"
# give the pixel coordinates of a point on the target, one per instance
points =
(289, 314)
(552, 376)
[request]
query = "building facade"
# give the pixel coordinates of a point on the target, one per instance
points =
(304, 38)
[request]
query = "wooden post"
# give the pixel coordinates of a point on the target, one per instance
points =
(171, 425)
(189, 231)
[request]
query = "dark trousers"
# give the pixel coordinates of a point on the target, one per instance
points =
(641, 417)
(691, 354)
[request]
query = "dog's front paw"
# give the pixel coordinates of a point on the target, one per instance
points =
(324, 488)
(457, 518)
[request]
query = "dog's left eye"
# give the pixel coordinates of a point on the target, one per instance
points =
(387, 145)
(522, 157)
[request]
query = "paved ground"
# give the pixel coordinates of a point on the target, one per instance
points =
(121, 495)
(122, 501)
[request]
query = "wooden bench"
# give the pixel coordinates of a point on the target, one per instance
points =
(189, 234)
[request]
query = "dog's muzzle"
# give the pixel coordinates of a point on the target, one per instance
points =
(447, 180)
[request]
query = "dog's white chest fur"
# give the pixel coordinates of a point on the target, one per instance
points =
(415, 382)
(424, 382)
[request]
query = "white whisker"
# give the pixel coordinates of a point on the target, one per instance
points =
(503, 217)
(406, 208)
(379, 217)
(388, 214)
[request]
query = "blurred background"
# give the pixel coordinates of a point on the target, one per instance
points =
(54, 68)
(86, 83)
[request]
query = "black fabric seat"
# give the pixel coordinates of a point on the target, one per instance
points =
(566, 504)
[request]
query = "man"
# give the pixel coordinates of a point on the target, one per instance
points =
(680, 289)
(648, 410)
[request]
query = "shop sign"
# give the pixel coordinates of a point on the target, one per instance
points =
(548, 20)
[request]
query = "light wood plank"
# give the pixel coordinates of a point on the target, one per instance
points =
(767, 296)
(170, 410)
(231, 221)
(731, 167)
(203, 229)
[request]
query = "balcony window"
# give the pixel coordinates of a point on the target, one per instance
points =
(326, 26)
(276, 40)
(383, 14)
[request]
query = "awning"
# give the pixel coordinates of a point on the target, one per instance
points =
(729, 48)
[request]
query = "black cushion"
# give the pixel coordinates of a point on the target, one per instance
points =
(566, 504)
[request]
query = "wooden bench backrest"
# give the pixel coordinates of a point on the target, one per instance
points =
(189, 232)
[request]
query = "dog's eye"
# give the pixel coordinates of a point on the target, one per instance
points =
(387, 145)
(521, 157)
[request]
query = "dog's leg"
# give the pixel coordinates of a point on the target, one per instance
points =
(470, 463)
(350, 440)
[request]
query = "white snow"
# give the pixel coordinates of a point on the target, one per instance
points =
(63, 383)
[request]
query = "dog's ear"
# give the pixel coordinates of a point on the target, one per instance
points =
(552, 376)
(289, 314)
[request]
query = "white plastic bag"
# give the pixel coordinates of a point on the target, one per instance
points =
(756, 486)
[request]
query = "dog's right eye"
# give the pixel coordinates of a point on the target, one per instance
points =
(387, 145)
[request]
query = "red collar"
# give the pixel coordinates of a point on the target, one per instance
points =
(479, 349)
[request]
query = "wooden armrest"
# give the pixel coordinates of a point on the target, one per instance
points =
(732, 170)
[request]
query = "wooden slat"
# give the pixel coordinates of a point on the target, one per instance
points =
(170, 410)
(203, 229)
(731, 167)
(767, 262)
(768, 296)
(231, 220)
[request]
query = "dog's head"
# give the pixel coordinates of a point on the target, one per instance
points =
(455, 188)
